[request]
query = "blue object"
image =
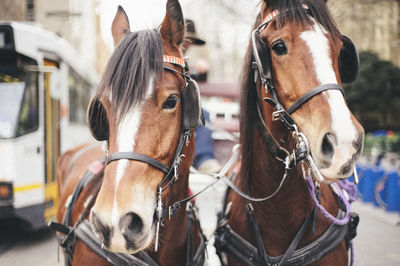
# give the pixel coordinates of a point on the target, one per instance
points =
(364, 175)
(380, 133)
(370, 182)
(381, 192)
(204, 143)
(392, 191)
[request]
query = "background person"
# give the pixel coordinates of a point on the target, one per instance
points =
(204, 160)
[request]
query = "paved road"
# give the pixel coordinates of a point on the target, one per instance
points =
(378, 241)
(18, 248)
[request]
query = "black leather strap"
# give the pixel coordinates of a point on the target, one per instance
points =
(138, 157)
(312, 93)
(187, 77)
(296, 240)
(273, 145)
(257, 235)
(226, 240)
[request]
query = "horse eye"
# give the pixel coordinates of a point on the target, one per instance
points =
(170, 103)
(279, 48)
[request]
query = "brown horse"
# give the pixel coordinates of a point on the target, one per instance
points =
(146, 108)
(302, 127)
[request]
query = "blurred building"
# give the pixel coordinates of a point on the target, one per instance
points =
(372, 24)
(225, 25)
(76, 21)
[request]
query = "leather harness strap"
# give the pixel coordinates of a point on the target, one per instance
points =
(226, 240)
(138, 157)
(82, 230)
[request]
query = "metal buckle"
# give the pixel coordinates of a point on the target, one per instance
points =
(187, 137)
(276, 115)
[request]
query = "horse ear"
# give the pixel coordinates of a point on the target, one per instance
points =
(173, 26)
(120, 25)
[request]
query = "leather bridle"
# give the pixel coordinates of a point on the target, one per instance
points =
(171, 173)
(226, 240)
(263, 75)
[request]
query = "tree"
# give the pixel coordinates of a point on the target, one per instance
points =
(375, 97)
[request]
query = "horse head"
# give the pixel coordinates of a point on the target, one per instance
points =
(144, 103)
(304, 59)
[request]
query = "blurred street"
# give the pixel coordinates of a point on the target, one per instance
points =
(377, 243)
(378, 239)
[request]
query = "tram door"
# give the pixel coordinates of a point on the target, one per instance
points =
(52, 142)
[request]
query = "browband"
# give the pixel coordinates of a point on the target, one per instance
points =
(174, 60)
(274, 14)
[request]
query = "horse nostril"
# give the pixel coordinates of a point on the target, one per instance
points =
(328, 144)
(131, 224)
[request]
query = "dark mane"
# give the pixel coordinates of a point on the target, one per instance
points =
(248, 110)
(293, 11)
(136, 60)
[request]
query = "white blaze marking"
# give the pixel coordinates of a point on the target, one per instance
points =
(127, 131)
(342, 124)
(319, 48)
(341, 120)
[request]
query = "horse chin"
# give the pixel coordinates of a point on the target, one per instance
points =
(115, 240)
(122, 245)
(335, 173)
(339, 166)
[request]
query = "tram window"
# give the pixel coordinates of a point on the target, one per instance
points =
(11, 94)
(79, 95)
(2, 40)
(29, 113)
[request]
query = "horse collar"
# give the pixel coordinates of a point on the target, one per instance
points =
(344, 226)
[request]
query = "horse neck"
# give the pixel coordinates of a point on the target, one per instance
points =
(280, 217)
(265, 174)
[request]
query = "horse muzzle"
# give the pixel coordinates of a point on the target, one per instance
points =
(336, 158)
(129, 236)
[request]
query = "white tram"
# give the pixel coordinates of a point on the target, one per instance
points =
(44, 92)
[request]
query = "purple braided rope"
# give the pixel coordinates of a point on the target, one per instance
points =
(350, 187)
(345, 220)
